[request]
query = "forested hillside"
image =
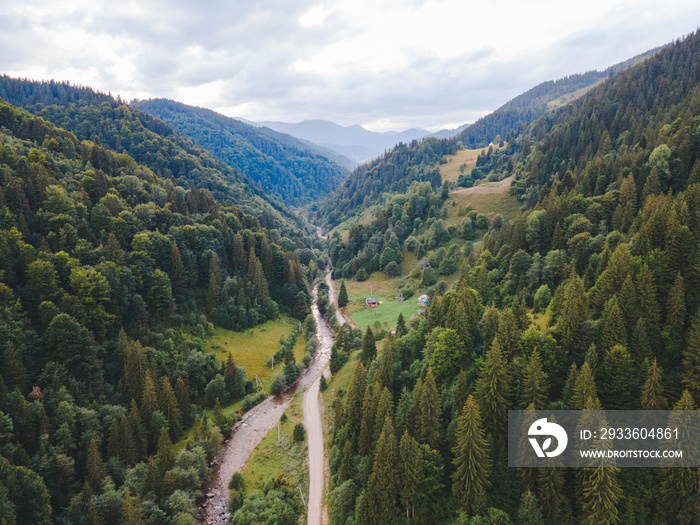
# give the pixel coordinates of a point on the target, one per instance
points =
(395, 170)
(282, 166)
(112, 274)
(586, 299)
(124, 129)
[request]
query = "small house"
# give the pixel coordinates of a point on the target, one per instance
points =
(423, 300)
(371, 302)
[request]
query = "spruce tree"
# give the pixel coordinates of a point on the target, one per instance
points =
(382, 487)
(572, 317)
(584, 389)
(675, 307)
(167, 404)
(385, 408)
(214, 290)
(471, 458)
(401, 328)
(529, 511)
(345, 470)
(652, 391)
(648, 300)
(386, 366)
(691, 360)
(408, 471)
(94, 468)
(535, 385)
(404, 413)
(149, 399)
(550, 482)
(177, 270)
(677, 484)
(614, 328)
(353, 404)
(240, 262)
(492, 390)
(429, 412)
(618, 381)
(369, 348)
(601, 494)
(366, 435)
(342, 296)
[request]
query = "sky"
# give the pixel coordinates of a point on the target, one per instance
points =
(384, 64)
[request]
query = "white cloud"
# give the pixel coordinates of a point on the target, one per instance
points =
(385, 63)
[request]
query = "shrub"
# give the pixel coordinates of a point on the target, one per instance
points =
(299, 433)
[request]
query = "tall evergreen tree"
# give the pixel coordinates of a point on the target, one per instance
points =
(429, 412)
(342, 296)
(691, 360)
(492, 390)
(408, 471)
(214, 289)
(614, 328)
(584, 389)
(535, 385)
(652, 391)
(167, 404)
(572, 315)
(353, 405)
(471, 458)
(401, 328)
(381, 486)
(369, 348)
(386, 365)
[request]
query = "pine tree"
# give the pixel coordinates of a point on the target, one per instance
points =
(345, 470)
(342, 296)
(240, 262)
(94, 468)
(489, 325)
(408, 471)
(529, 511)
(149, 399)
(535, 385)
(584, 389)
(385, 408)
(167, 404)
(679, 483)
(165, 455)
(137, 432)
(214, 289)
(492, 389)
(648, 300)
(551, 483)
(471, 458)
(601, 494)
(619, 386)
(675, 307)
(429, 412)
(385, 374)
(365, 439)
(691, 360)
(404, 413)
(369, 348)
(353, 404)
(572, 315)
(652, 391)
(183, 401)
(401, 328)
(381, 487)
(614, 328)
(177, 271)
(160, 294)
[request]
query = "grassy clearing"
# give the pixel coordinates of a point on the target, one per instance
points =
(565, 99)
(451, 171)
(251, 349)
(486, 203)
(282, 458)
(385, 290)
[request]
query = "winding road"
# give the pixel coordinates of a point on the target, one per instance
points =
(250, 431)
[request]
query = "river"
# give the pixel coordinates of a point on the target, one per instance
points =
(257, 422)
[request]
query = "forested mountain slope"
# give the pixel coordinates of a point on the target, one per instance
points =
(586, 299)
(124, 129)
(282, 165)
(397, 169)
(111, 277)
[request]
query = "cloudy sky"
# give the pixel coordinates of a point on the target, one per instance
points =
(385, 64)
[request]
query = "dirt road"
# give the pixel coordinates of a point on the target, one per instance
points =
(250, 431)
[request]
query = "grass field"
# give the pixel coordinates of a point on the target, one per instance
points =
(488, 203)
(385, 290)
(565, 99)
(282, 459)
(251, 349)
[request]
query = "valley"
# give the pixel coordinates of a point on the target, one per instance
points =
(172, 349)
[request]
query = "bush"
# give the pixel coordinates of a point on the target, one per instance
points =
(235, 501)
(237, 482)
(278, 385)
(361, 275)
(392, 269)
(323, 384)
(299, 433)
